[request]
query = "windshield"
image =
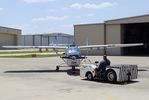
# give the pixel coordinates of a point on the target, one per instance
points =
(73, 51)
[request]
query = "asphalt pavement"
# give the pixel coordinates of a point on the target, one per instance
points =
(36, 79)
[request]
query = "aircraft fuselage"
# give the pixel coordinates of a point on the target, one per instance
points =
(73, 56)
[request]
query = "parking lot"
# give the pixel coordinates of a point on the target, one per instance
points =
(36, 79)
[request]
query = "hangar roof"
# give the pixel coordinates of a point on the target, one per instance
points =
(134, 19)
(9, 30)
(89, 24)
(50, 34)
(57, 34)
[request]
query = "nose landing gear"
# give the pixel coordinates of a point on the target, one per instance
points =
(57, 68)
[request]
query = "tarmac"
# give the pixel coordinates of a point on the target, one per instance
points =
(36, 79)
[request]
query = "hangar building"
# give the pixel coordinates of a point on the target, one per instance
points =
(46, 39)
(119, 31)
(9, 36)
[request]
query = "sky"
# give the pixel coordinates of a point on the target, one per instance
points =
(48, 16)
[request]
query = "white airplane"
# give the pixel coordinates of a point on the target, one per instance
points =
(72, 56)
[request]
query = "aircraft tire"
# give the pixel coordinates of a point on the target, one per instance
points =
(57, 68)
(73, 68)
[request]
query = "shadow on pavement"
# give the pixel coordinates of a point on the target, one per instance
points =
(105, 82)
(142, 70)
(69, 71)
(73, 73)
(34, 71)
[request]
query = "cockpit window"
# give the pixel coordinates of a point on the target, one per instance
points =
(73, 50)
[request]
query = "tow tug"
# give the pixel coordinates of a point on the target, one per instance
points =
(113, 74)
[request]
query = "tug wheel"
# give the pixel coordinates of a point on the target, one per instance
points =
(89, 76)
(111, 76)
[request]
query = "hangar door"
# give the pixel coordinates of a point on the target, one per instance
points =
(8, 39)
(136, 33)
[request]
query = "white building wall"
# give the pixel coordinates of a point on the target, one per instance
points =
(113, 36)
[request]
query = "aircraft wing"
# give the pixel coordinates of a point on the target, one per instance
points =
(110, 46)
(38, 47)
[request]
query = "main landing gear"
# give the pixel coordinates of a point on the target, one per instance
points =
(57, 68)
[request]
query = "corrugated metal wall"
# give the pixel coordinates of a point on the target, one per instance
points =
(45, 40)
(91, 34)
(8, 39)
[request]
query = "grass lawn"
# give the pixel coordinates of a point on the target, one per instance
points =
(31, 51)
(30, 56)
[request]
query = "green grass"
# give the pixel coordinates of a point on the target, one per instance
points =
(31, 51)
(29, 56)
